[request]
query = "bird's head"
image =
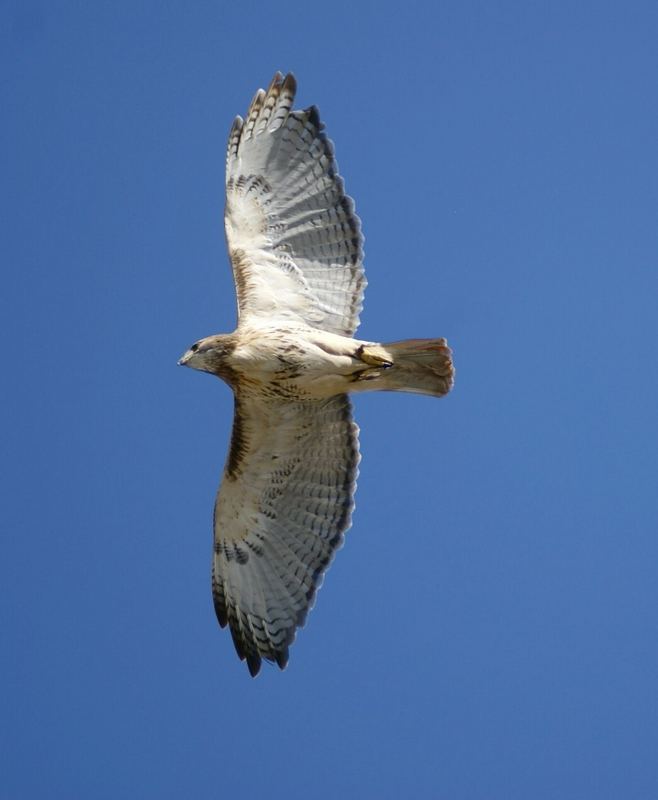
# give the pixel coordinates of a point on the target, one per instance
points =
(210, 355)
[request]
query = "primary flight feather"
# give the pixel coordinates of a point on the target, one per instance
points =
(296, 249)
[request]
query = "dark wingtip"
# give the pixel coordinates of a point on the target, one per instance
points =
(253, 659)
(282, 658)
(220, 613)
(253, 664)
(313, 113)
(237, 643)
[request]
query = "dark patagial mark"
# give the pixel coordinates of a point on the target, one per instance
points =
(239, 444)
(241, 265)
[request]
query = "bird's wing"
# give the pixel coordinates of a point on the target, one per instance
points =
(285, 501)
(294, 240)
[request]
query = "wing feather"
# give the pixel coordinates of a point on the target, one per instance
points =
(285, 502)
(294, 238)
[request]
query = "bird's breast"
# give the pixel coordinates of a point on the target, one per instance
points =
(290, 364)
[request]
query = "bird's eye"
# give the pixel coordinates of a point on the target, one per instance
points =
(194, 348)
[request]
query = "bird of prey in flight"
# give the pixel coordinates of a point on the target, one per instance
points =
(286, 496)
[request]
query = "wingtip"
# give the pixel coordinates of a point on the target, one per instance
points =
(290, 83)
(313, 116)
(253, 664)
(277, 79)
(220, 613)
(284, 83)
(282, 658)
(256, 102)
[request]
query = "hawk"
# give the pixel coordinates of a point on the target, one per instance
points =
(287, 493)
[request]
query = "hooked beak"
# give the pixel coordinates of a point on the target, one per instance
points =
(183, 360)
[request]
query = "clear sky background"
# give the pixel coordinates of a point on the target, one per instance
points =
(490, 629)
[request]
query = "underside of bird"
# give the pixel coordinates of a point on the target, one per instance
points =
(287, 492)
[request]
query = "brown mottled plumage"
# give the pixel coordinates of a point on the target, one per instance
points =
(286, 497)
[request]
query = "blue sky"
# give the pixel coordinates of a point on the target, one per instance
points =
(489, 629)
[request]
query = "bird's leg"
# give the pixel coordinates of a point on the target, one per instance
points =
(374, 355)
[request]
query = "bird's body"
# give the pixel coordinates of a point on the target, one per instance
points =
(305, 363)
(287, 494)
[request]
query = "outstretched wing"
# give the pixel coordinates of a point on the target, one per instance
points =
(285, 501)
(294, 240)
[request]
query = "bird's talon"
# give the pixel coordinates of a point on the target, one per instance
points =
(374, 355)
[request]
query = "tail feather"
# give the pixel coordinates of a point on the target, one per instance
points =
(423, 366)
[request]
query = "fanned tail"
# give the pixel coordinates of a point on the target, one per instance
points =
(423, 366)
